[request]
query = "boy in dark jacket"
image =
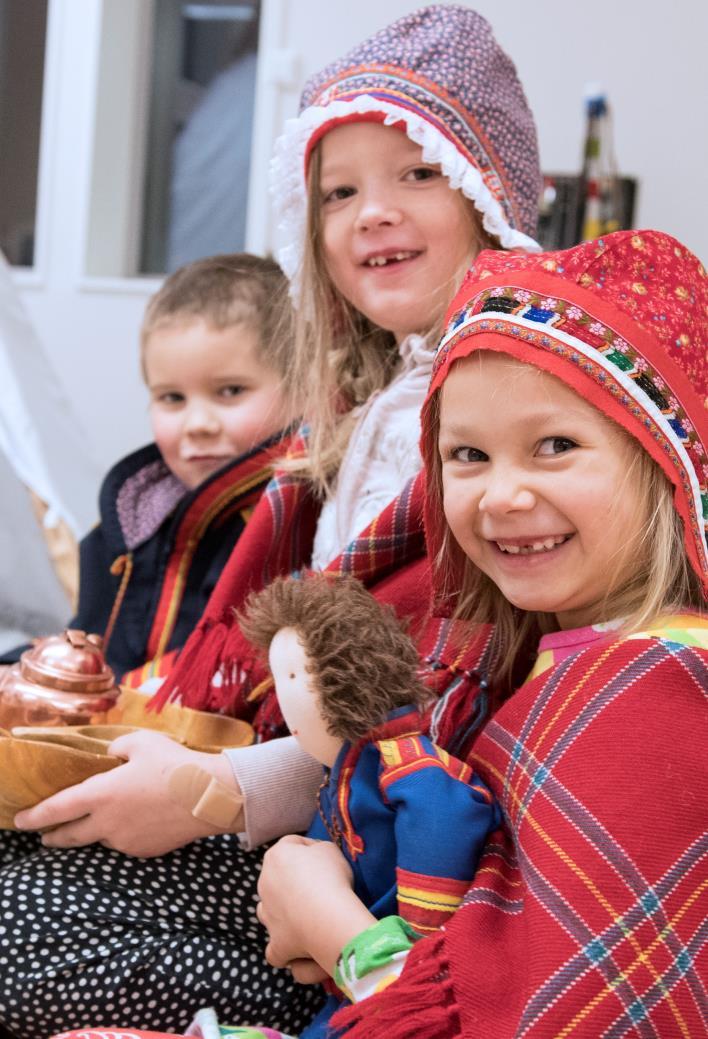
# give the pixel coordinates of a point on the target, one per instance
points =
(214, 345)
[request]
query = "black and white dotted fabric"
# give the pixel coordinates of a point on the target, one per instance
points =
(92, 937)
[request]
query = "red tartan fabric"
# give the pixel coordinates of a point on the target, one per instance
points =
(589, 919)
(388, 557)
(277, 540)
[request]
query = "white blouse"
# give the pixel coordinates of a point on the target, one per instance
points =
(382, 454)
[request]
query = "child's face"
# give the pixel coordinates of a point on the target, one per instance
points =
(396, 238)
(298, 699)
(536, 486)
(211, 398)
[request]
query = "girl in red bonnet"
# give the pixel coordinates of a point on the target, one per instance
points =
(565, 441)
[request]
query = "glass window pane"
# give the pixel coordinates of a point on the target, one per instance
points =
(199, 131)
(23, 32)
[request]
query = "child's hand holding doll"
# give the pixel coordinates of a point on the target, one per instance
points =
(305, 885)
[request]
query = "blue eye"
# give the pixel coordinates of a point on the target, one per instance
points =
(556, 445)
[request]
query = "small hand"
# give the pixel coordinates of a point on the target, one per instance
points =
(308, 906)
(129, 808)
(307, 972)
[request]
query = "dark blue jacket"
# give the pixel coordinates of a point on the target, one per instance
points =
(158, 551)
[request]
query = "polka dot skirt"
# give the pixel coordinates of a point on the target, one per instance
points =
(89, 936)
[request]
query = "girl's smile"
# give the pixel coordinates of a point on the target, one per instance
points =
(390, 258)
(533, 545)
(537, 486)
(395, 237)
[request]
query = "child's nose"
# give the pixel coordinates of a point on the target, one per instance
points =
(377, 209)
(506, 490)
(201, 419)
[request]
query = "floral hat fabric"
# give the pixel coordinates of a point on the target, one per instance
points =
(622, 320)
(439, 75)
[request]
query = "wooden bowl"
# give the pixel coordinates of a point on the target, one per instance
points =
(198, 730)
(32, 769)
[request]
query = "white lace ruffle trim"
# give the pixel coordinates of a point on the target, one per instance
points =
(287, 176)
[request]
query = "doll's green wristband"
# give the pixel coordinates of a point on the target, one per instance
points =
(373, 950)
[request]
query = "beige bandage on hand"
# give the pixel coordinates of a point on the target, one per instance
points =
(207, 798)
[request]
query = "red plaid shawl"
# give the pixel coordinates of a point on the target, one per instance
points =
(388, 557)
(588, 915)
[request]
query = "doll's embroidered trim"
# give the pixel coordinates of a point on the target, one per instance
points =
(354, 842)
(407, 754)
(428, 902)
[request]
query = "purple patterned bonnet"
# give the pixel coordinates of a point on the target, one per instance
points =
(440, 75)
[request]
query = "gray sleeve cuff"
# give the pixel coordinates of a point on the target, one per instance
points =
(279, 782)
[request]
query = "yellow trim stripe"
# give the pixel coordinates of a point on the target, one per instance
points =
(428, 900)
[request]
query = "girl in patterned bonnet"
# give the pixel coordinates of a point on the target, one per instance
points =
(410, 154)
(568, 507)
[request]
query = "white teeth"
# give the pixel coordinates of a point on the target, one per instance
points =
(535, 546)
(381, 261)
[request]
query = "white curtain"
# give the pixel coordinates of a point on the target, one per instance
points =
(42, 449)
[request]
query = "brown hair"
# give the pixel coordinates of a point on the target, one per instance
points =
(340, 357)
(225, 290)
(363, 663)
(653, 575)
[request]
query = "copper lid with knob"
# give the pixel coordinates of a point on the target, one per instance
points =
(61, 680)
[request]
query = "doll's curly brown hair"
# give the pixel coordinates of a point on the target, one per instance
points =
(363, 663)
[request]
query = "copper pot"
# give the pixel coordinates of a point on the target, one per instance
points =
(61, 680)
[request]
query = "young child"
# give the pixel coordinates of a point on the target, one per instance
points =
(570, 503)
(410, 154)
(214, 344)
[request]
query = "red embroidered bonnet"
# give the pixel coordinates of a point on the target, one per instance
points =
(623, 321)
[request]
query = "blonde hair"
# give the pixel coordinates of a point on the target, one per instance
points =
(225, 290)
(340, 357)
(653, 575)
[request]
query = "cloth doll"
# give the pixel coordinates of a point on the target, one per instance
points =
(346, 679)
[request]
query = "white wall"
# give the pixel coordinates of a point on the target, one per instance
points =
(651, 58)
